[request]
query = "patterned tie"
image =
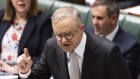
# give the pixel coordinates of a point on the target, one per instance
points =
(74, 71)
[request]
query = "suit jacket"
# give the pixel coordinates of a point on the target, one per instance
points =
(129, 48)
(102, 60)
(37, 30)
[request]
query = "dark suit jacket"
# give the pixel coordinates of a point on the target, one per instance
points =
(129, 48)
(102, 60)
(37, 30)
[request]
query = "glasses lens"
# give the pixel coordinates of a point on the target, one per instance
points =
(59, 36)
(68, 36)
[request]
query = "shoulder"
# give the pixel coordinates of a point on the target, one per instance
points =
(125, 37)
(52, 42)
(101, 43)
(101, 47)
(52, 46)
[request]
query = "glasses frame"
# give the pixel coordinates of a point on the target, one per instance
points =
(66, 36)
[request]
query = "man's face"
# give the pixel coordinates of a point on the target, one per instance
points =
(68, 34)
(101, 21)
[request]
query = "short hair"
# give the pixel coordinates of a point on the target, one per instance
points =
(66, 12)
(111, 6)
(10, 10)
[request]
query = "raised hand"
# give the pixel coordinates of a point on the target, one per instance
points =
(24, 62)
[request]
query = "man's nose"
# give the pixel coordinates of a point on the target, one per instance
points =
(95, 21)
(64, 39)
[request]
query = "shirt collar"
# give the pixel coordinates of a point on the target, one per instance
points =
(112, 34)
(81, 47)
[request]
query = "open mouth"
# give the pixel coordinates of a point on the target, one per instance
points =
(21, 5)
(66, 45)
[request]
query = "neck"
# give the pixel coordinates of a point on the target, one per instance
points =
(20, 20)
(21, 15)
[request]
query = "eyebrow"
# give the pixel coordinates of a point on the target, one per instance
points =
(64, 32)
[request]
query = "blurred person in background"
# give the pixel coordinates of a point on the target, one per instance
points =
(104, 18)
(22, 24)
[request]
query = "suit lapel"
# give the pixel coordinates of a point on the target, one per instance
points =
(3, 28)
(62, 59)
(117, 39)
(89, 60)
(26, 33)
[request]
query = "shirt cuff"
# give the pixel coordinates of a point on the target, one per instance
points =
(25, 75)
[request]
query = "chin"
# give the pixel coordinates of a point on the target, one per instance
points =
(67, 50)
(22, 10)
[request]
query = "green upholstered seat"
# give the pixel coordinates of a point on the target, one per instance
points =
(89, 20)
(84, 12)
(131, 25)
(2, 4)
(46, 5)
(121, 18)
(58, 4)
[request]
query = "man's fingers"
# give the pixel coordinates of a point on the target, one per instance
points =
(26, 52)
(29, 61)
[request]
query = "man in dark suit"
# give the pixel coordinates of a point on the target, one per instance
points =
(97, 58)
(104, 18)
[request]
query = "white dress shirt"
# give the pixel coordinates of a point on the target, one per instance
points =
(80, 51)
(112, 34)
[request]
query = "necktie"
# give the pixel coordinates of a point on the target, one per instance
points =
(74, 71)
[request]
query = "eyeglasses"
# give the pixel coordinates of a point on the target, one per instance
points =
(68, 36)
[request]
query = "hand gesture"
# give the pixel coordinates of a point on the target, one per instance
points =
(24, 62)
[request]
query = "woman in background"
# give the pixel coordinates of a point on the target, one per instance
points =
(22, 25)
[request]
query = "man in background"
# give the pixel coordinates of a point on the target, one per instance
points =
(105, 15)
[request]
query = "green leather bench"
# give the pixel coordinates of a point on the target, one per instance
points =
(129, 23)
(2, 4)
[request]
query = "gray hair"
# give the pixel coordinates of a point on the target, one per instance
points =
(66, 12)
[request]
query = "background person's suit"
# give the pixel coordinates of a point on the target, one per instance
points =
(130, 49)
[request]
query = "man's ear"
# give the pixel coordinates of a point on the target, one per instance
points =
(114, 18)
(82, 27)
